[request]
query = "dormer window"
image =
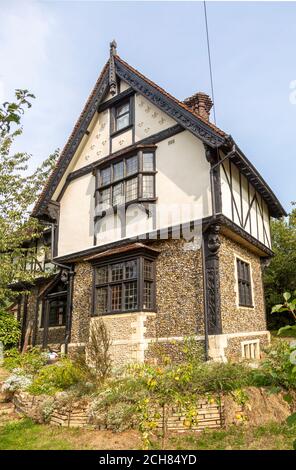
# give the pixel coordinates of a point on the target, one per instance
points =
(122, 116)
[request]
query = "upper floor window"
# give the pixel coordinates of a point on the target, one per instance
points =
(122, 116)
(123, 286)
(127, 180)
(244, 283)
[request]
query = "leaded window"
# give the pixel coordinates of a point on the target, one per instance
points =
(126, 285)
(128, 180)
(244, 283)
(122, 116)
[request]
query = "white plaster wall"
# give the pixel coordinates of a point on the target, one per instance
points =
(183, 177)
(76, 226)
(122, 140)
(123, 86)
(149, 119)
(96, 145)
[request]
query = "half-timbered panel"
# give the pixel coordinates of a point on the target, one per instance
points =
(242, 204)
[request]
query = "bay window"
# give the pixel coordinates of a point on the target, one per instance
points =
(127, 180)
(124, 285)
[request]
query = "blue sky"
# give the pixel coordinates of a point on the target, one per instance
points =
(56, 49)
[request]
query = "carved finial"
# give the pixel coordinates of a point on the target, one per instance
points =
(113, 46)
(112, 72)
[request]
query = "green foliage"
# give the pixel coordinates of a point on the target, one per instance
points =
(30, 362)
(56, 377)
(9, 329)
(280, 275)
(278, 369)
(291, 420)
(18, 192)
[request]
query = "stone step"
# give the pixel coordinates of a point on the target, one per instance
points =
(6, 408)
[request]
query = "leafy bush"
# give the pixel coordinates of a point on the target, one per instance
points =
(31, 361)
(9, 329)
(278, 369)
(56, 377)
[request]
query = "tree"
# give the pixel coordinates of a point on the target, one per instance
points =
(18, 192)
(280, 276)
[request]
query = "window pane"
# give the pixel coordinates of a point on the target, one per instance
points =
(122, 122)
(148, 162)
(130, 296)
(124, 108)
(105, 176)
(148, 186)
(118, 171)
(116, 297)
(131, 165)
(130, 269)
(131, 189)
(117, 272)
(118, 197)
(57, 312)
(147, 298)
(102, 275)
(105, 198)
(148, 269)
(101, 300)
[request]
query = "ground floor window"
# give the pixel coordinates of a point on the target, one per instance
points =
(54, 307)
(124, 285)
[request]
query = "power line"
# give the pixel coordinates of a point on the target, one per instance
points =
(210, 60)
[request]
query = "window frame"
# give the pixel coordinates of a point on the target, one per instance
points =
(139, 279)
(61, 295)
(245, 280)
(139, 174)
(113, 116)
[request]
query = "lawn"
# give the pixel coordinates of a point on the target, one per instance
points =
(26, 435)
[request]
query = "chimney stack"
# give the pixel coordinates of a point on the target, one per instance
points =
(200, 103)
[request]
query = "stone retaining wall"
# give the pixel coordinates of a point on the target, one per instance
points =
(209, 414)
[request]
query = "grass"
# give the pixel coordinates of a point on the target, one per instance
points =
(273, 436)
(27, 435)
(24, 434)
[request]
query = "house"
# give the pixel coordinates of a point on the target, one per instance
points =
(160, 227)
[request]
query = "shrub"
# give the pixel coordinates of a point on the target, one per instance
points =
(278, 369)
(56, 377)
(97, 350)
(31, 361)
(16, 381)
(9, 329)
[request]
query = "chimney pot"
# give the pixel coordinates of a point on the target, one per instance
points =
(200, 103)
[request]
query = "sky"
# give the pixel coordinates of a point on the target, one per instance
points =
(56, 49)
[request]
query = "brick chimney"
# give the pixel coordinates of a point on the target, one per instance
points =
(200, 103)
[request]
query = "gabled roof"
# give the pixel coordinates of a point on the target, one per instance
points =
(209, 133)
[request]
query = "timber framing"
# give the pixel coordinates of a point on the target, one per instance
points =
(209, 134)
(151, 140)
(156, 235)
